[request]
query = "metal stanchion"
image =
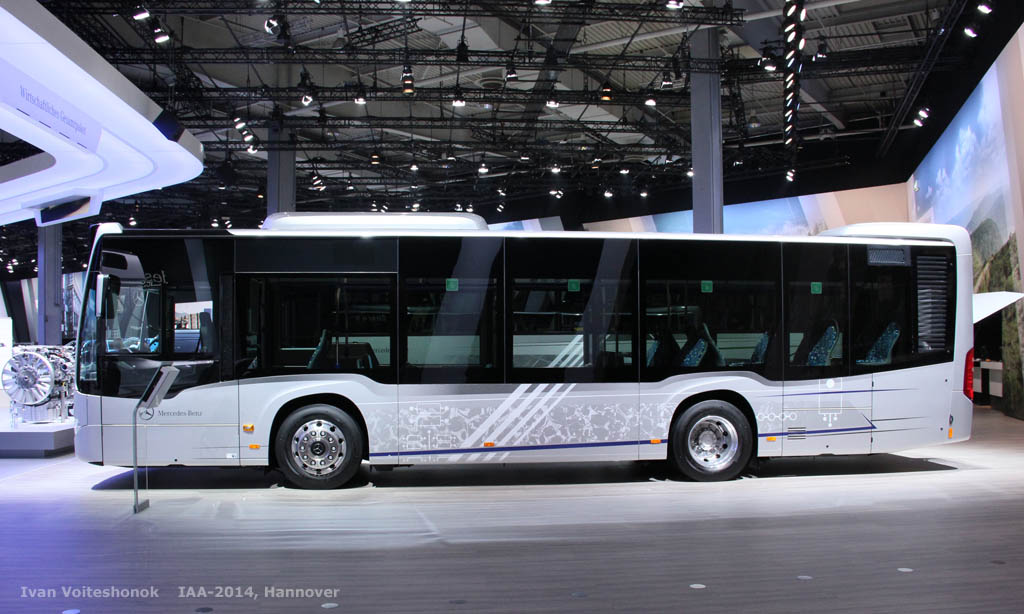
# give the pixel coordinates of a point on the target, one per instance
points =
(155, 392)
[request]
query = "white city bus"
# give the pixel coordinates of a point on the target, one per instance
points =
(319, 342)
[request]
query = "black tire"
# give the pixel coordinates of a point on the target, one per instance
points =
(316, 466)
(721, 445)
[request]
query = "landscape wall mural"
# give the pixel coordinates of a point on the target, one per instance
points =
(972, 178)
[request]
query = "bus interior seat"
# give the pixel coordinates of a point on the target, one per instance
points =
(761, 349)
(700, 349)
(319, 356)
(881, 350)
(665, 348)
(825, 338)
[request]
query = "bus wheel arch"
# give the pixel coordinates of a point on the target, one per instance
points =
(731, 402)
(336, 400)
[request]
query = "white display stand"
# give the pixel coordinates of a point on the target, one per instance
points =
(28, 440)
(6, 347)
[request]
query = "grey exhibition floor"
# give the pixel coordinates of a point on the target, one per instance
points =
(806, 535)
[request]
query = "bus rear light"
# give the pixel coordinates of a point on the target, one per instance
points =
(969, 375)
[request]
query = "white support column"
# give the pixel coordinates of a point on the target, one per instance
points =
(706, 136)
(49, 292)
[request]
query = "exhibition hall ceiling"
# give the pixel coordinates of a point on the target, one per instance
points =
(447, 105)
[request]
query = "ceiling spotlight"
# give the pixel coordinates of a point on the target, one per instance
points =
(608, 193)
(918, 122)
(822, 52)
(552, 103)
(131, 221)
(510, 72)
(643, 193)
(666, 80)
(556, 169)
(458, 100)
(500, 207)
(252, 148)
(141, 13)
(924, 112)
(650, 101)
(413, 167)
(160, 36)
(606, 92)
(689, 173)
(458, 206)
(524, 156)
(623, 171)
(360, 97)
(415, 206)
(754, 122)
(306, 88)
(469, 208)
(375, 158)
(501, 192)
(214, 223)
(674, 4)
(791, 175)
(768, 64)
(984, 8)
(272, 25)
(483, 170)
(542, 2)
(971, 31)
(408, 82)
(239, 123)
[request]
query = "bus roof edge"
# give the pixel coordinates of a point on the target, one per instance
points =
(319, 222)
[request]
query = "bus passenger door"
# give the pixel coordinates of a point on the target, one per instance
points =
(163, 304)
(826, 410)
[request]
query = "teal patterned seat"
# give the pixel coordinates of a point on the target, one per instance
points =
(760, 350)
(822, 351)
(694, 357)
(881, 350)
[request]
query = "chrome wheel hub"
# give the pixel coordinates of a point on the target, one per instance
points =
(712, 443)
(318, 447)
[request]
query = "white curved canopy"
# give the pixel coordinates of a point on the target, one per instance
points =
(95, 127)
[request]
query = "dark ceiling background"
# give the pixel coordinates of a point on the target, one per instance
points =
(869, 65)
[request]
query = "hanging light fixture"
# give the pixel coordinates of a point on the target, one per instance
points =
(375, 158)
(458, 99)
(606, 92)
(552, 103)
(650, 101)
(360, 97)
(408, 81)
(511, 74)
(140, 13)
(483, 170)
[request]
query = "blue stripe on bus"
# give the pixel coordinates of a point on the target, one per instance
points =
(598, 444)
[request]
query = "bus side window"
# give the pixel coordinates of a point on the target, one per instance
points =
(708, 306)
(817, 311)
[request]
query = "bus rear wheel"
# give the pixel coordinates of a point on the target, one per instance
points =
(318, 447)
(711, 441)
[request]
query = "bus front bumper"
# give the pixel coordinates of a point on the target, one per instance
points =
(89, 443)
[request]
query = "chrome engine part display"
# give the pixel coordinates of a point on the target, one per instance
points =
(40, 383)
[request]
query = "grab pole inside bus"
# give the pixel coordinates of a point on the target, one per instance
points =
(155, 392)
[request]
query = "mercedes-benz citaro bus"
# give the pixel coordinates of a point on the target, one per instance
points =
(321, 341)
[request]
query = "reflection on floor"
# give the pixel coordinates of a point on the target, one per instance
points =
(821, 534)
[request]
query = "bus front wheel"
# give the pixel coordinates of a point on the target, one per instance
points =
(711, 441)
(318, 447)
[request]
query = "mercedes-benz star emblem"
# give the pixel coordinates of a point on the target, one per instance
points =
(146, 413)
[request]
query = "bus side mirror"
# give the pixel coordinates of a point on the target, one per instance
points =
(106, 287)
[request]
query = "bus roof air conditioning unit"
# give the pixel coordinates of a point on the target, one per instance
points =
(378, 222)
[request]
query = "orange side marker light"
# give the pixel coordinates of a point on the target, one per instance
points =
(771, 438)
(488, 444)
(254, 446)
(950, 432)
(655, 441)
(248, 428)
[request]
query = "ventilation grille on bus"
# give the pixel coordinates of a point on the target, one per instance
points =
(932, 302)
(888, 256)
(797, 432)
